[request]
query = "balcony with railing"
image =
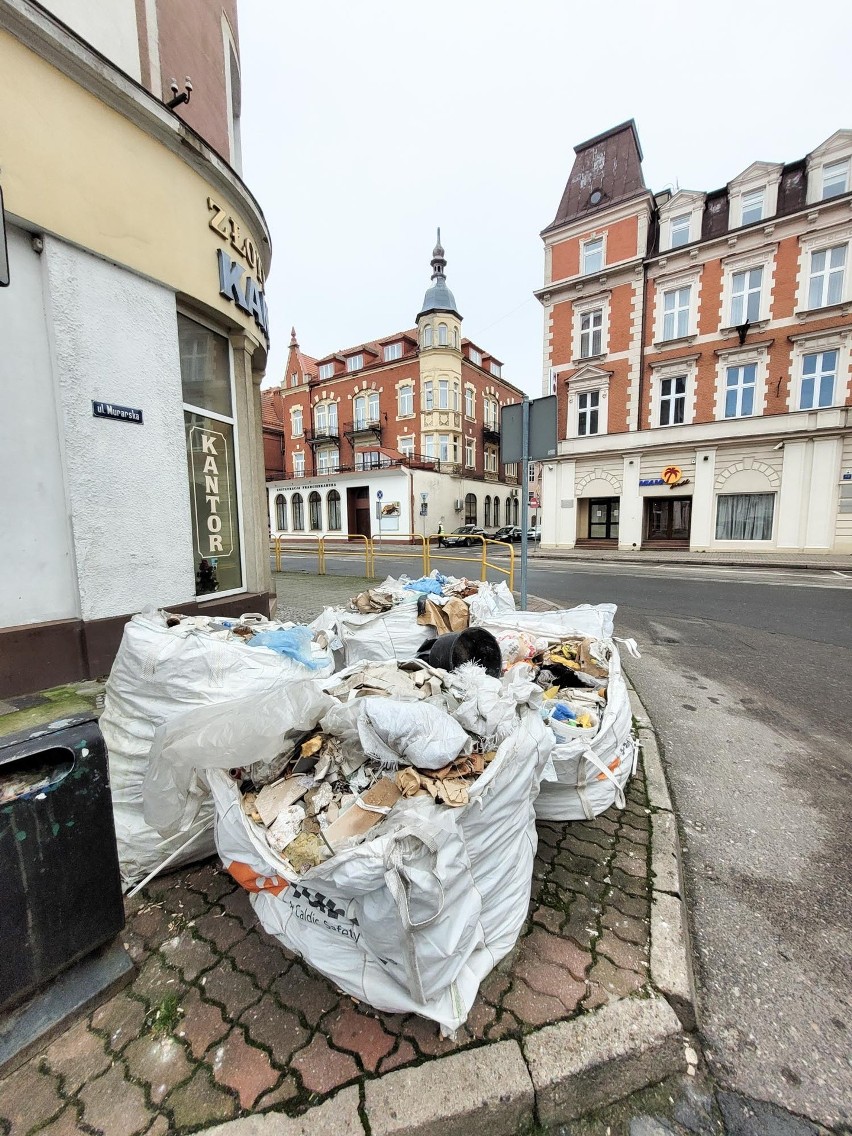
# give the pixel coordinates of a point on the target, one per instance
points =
(363, 428)
(490, 432)
(323, 435)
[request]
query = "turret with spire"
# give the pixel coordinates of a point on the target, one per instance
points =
(439, 298)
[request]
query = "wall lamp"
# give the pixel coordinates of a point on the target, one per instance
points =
(184, 96)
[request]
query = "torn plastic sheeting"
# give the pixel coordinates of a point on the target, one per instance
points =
(241, 732)
(293, 643)
(414, 733)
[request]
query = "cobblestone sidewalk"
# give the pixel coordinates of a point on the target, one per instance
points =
(222, 1022)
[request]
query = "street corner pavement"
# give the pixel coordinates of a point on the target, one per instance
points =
(221, 1022)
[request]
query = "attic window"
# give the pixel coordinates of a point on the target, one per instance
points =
(354, 362)
(326, 371)
(596, 197)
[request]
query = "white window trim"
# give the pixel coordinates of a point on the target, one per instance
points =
(391, 351)
(406, 444)
(834, 149)
(761, 258)
(470, 444)
(298, 454)
(399, 391)
(810, 343)
(593, 237)
(583, 307)
(685, 201)
(664, 284)
(469, 387)
(300, 433)
(576, 386)
(355, 363)
(828, 238)
(758, 176)
(741, 357)
(475, 356)
(326, 371)
(671, 369)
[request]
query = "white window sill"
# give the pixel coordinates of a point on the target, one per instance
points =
(664, 344)
(580, 360)
(758, 325)
(839, 309)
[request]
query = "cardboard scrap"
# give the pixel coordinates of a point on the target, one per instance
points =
(273, 799)
(356, 821)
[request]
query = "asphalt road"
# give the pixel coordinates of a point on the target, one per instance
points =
(746, 674)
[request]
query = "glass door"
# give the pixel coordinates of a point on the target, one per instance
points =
(603, 518)
(668, 518)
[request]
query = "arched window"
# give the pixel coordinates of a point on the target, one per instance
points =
(442, 335)
(315, 510)
(298, 506)
(366, 408)
(470, 509)
(280, 513)
(427, 335)
(456, 338)
(487, 512)
(333, 502)
(496, 512)
(515, 510)
(508, 510)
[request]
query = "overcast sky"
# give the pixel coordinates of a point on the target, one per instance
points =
(367, 123)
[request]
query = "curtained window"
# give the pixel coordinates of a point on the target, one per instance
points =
(315, 509)
(298, 506)
(281, 513)
(745, 516)
(333, 501)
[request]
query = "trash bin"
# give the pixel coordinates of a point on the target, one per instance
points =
(60, 889)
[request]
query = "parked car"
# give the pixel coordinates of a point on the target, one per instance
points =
(513, 533)
(461, 537)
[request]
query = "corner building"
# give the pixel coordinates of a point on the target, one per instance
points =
(133, 331)
(393, 436)
(699, 347)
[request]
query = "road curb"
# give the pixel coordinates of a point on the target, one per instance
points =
(671, 952)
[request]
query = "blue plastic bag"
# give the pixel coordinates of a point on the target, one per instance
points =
(426, 585)
(294, 643)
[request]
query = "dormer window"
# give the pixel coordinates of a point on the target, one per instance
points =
(392, 351)
(680, 230)
(476, 356)
(496, 369)
(326, 371)
(752, 206)
(593, 256)
(354, 362)
(835, 179)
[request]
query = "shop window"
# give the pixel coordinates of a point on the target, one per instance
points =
(515, 510)
(205, 361)
(487, 511)
(745, 516)
(298, 507)
(470, 509)
(315, 510)
(496, 512)
(333, 503)
(281, 513)
(603, 518)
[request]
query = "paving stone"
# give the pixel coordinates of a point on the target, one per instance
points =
(190, 956)
(633, 885)
(222, 930)
(614, 982)
(650, 1126)
(322, 1068)
(638, 906)
(156, 982)
(134, 945)
(230, 987)
(262, 958)
(560, 952)
(66, 1124)
(427, 1037)
(506, 1025)
(627, 927)
(597, 1058)
(121, 1019)
(242, 1067)
(608, 823)
(185, 904)
(481, 1017)
(570, 881)
(484, 1090)
(550, 918)
(280, 1095)
(160, 1127)
(360, 1035)
(150, 923)
(634, 863)
(200, 1101)
(534, 1008)
(624, 955)
(77, 1056)
(403, 1055)
(745, 1117)
(581, 924)
(635, 837)
(238, 904)
(114, 1105)
(28, 1097)
(552, 981)
(306, 993)
(337, 1116)
(161, 1061)
(494, 987)
(201, 1024)
(277, 1029)
(694, 1109)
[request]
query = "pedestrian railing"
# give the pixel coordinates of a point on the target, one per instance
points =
(482, 559)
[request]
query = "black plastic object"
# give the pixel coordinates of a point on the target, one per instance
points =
(473, 645)
(60, 888)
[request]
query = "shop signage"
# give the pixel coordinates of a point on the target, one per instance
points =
(122, 413)
(651, 481)
(229, 230)
(672, 476)
(235, 285)
(211, 503)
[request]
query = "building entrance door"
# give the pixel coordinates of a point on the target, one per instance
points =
(603, 518)
(667, 519)
(358, 509)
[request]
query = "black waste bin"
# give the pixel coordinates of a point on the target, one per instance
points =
(60, 888)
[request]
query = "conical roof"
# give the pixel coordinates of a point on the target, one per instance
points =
(438, 297)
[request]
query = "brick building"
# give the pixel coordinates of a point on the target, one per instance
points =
(360, 440)
(699, 346)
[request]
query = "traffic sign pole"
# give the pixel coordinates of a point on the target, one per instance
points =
(525, 499)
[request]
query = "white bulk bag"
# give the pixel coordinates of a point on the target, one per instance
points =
(413, 918)
(590, 772)
(159, 672)
(381, 636)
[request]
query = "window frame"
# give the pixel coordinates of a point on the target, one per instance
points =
(834, 164)
(391, 351)
(590, 332)
(297, 412)
(745, 295)
(297, 512)
(744, 207)
(443, 335)
(354, 363)
(326, 371)
(826, 250)
(405, 445)
(668, 400)
(469, 401)
(470, 453)
(427, 336)
(334, 510)
(740, 388)
(588, 413)
(475, 356)
(684, 309)
(298, 461)
(585, 254)
(818, 375)
(683, 223)
(405, 390)
(738, 539)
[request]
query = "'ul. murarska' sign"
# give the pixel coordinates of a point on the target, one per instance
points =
(211, 490)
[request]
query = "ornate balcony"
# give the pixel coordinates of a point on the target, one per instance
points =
(362, 429)
(490, 434)
(328, 436)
